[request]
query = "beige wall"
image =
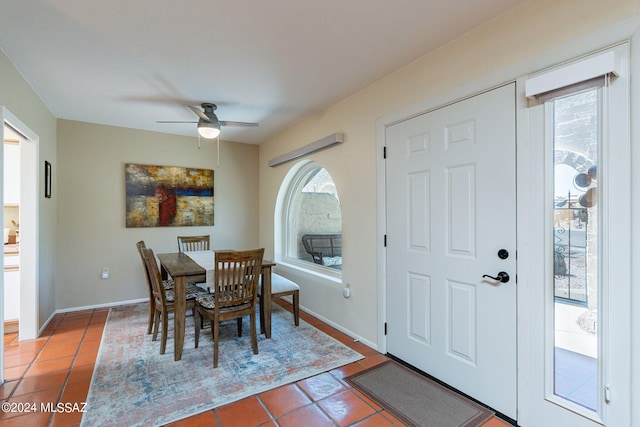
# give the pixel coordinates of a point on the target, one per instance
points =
(91, 206)
(523, 33)
(18, 97)
(88, 161)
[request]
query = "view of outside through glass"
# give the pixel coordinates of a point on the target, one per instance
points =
(576, 139)
(315, 219)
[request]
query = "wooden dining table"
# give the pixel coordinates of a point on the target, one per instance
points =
(181, 267)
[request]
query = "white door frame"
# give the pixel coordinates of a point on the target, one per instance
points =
(626, 30)
(29, 230)
(635, 231)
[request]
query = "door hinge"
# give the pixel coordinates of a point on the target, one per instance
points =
(607, 393)
(385, 240)
(384, 152)
(385, 328)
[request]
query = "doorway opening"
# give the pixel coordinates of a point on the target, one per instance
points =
(22, 203)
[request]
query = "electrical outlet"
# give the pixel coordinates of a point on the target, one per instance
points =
(346, 291)
(105, 273)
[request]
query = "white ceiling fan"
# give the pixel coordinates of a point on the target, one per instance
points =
(208, 123)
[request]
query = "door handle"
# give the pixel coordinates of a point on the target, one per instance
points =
(503, 277)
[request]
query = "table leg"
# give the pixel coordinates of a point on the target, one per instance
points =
(266, 299)
(163, 272)
(179, 315)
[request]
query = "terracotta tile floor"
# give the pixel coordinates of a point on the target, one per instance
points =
(57, 367)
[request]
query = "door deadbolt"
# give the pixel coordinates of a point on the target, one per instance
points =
(503, 254)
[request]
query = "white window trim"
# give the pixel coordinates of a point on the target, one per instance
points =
(615, 266)
(289, 183)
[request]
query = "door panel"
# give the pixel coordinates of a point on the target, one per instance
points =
(462, 212)
(450, 209)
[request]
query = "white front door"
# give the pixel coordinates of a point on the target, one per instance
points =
(450, 210)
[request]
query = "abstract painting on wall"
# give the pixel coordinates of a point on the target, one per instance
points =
(168, 196)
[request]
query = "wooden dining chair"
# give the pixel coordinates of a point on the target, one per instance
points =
(164, 298)
(167, 284)
(193, 243)
(281, 287)
(234, 295)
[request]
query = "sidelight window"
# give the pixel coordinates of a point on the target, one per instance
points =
(576, 231)
(581, 262)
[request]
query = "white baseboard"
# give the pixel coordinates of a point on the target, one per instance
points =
(353, 335)
(11, 326)
(88, 307)
(107, 304)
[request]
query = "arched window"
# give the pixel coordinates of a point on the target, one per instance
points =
(311, 221)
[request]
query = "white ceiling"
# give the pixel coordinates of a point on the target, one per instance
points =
(132, 62)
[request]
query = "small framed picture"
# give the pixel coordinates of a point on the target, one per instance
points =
(47, 179)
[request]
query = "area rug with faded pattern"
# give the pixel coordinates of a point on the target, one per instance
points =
(417, 400)
(134, 385)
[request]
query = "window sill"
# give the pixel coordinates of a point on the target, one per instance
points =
(305, 267)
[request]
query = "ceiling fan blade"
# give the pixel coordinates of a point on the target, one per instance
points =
(200, 113)
(244, 124)
(172, 121)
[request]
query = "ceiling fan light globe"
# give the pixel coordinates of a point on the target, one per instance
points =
(208, 130)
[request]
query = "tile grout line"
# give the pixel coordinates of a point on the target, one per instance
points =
(64, 384)
(66, 380)
(264, 406)
(24, 373)
(68, 370)
(73, 362)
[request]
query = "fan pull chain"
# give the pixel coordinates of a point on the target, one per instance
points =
(218, 150)
(198, 141)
